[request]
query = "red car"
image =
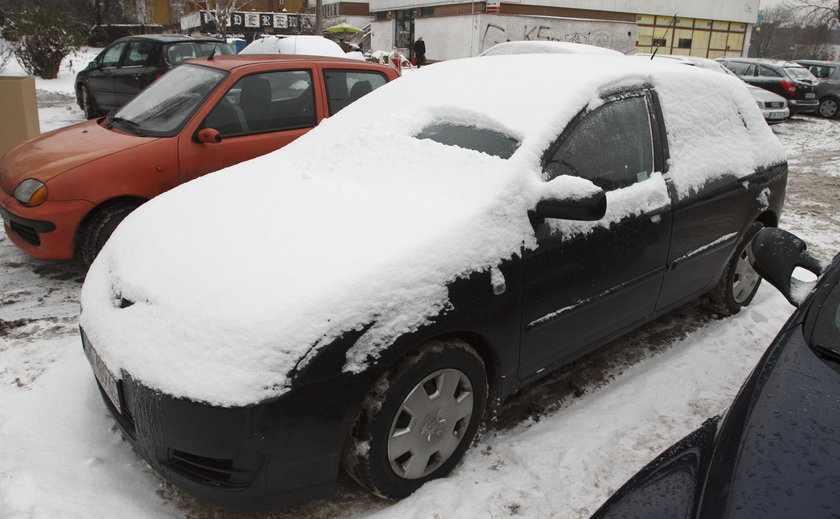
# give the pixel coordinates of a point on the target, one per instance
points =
(64, 192)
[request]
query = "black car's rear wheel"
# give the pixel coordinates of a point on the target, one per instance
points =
(740, 281)
(86, 103)
(829, 107)
(418, 420)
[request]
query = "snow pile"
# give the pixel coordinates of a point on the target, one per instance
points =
(304, 45)
(239, 273)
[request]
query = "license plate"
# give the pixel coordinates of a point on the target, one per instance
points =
(810, 95)
(777, 115)
(103, 376)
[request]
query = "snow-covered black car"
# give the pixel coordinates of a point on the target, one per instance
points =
(364, 296)
(775, 453)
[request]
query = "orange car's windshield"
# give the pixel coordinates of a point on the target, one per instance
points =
(164, 107)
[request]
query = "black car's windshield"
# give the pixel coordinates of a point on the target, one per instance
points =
(491, 142)
(163, 108)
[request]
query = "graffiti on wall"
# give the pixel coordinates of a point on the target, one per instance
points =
(618, 36)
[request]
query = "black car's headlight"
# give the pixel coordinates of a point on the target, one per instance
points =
(31, 192)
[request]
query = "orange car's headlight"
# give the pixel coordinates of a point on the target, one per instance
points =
(31, 192)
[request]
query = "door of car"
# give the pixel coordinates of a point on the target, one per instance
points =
(135, 71)
(259, 113)
(100, 80)
(587, 281)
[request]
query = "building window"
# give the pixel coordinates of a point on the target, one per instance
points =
(381, 16)
(684, 43)
(659, 42)
(427, 11)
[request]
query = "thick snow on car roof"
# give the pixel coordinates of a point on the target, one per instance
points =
(306, 45)
(359, 224)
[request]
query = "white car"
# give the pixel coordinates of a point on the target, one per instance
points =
(306, 45)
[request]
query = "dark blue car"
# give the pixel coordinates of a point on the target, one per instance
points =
(776, 452)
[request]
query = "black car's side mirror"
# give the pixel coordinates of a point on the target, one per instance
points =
(587, 208)
(775, 254)
(93, 64)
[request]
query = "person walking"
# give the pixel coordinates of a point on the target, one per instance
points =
(420, 51)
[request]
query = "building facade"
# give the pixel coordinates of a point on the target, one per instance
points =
(457, 29)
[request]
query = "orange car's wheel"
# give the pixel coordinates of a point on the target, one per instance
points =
(99, 227)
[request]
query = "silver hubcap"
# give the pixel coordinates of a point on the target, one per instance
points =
(828, 108)
(745, 278)
(430, 424)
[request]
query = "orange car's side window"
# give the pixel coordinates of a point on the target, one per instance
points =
(265, 102)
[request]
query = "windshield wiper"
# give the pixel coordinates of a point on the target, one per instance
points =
(126, 124)
(827, 352)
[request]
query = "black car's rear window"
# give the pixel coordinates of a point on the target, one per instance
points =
(177, 53)
(799, 72)
(484, 140)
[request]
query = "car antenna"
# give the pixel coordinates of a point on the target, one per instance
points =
(212, 52)
(673, 24)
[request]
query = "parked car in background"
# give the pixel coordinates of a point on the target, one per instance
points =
(773, 107)
(130, 64)
(828, 91)
(775, 452)
(785, 78)
(308, 45)
(546, 47)
(64, 192)
(362, 296)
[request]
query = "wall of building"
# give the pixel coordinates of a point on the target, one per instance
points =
(449, 37)
(453, 37)
(691, 37)
(382, 35)
(744, 11)
(494, 29)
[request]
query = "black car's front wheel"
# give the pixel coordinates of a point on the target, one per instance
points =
(740, 281)
(829, 107)
(418, 420)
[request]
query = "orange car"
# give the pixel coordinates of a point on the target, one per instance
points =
(64, 192)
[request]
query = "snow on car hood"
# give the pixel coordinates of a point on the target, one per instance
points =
(236, 275)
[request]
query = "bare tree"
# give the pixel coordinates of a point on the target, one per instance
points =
(816, 13)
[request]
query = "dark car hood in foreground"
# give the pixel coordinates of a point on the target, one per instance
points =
(775, 454)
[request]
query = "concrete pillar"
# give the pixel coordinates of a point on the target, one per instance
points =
(20, 111)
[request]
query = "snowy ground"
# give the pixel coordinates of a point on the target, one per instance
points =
(560, 448)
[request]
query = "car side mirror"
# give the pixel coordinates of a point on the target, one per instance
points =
(209, 136)
(775, 254)
(93, 64)
(590, 207)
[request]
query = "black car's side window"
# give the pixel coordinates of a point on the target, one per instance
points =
(742, 69)
(767, 72)
(612, 146)
(138, 54)
(111, 58)
(266, 102)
